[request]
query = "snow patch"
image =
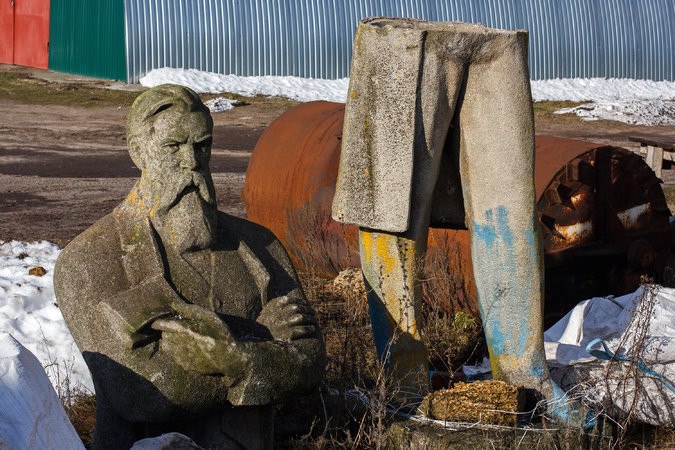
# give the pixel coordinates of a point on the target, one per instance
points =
(601, 89)
(220, 104)
(28, 311)
(634, 112)
(636, 102)
(301, 89)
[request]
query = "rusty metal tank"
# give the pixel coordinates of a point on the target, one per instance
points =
(603, 214)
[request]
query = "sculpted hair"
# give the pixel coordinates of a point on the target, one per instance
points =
(150, 104)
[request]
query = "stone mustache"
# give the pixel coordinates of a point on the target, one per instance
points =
(439, 131)
(189, 319)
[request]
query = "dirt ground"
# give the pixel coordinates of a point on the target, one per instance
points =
(64, 166)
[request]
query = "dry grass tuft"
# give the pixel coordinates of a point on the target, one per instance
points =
(21, 87)
(546, 110)
(82, 414)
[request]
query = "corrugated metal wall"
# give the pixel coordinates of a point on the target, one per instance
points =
(86, 37)
(313, 38)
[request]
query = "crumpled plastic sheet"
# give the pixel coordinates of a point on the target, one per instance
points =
(31, 416)
(640, 329)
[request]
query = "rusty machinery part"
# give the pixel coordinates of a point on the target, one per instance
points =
(604, 217)
(290, 184)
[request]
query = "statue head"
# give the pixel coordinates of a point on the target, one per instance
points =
(169, 133)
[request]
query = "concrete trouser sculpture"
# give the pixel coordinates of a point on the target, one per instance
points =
(439, 130)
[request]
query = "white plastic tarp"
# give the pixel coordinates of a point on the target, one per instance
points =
(31, 416)
(609, 319)
(636, 377)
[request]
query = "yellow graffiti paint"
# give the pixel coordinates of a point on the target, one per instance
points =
(366, 239)
(391, 271)
(390, 268)
(382, 247)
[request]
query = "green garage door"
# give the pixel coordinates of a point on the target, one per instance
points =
(86, 37)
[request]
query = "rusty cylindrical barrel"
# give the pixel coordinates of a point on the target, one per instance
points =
(603, 214)
(290, 184)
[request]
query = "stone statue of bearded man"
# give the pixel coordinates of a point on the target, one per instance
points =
(189, 319)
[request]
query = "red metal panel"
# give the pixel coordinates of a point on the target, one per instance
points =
(31, 33)
(7, 31)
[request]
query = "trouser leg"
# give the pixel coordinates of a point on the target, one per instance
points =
(393, 262)
(391, 272)
(497, 169)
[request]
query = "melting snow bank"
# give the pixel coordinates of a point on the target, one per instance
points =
(301, 89)
(634, 112)
(28, 311)
(602, 89)
(220, 104)
(638, 102)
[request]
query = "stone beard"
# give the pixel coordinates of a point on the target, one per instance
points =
(187, 216)
(190, 224)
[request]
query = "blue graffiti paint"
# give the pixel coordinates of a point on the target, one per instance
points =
(493, 238)
(486, 233)
(503, 228)
(495, 230)
(493, 247)
(500, 290)
(538, 369)
(501, 343)
(562, 408)
(565, 410)
(495, 337)
(524, 335)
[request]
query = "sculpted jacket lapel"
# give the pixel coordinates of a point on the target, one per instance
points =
(258, 280)
(148, 295)
(188, 281)
(260, 274)
(255, 266)
(142, 258)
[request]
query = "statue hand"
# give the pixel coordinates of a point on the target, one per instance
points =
(199, 340)
(288, 318)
